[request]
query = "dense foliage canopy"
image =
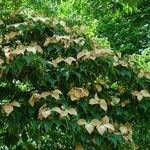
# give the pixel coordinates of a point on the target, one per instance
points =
(125, 23)
(72, 75)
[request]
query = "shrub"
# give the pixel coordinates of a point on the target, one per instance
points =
(61, 90)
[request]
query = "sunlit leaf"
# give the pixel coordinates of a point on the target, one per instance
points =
(98, 87)
(15, 104)
(145, 93)
(80, 55)
(110, 126)
(69, 60)
(140, 97)
(123, 129)
(56, 94)
(105, 120)
(93, 101)
(34, 48)
(56, 109)
(11, 35)
(7, 108)
(101, 129)
(72, 111)
(44, 112)
(34, 98)
(95, 122)
(62, 23)
(81, 122)
(57, 61)
(103, 104)
(89, 128)
(77, 93)
(45, 94)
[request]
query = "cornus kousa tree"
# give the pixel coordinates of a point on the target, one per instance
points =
(61, 90)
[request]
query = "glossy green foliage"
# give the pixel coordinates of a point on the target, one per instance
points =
(126, 25)
(30, 65)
